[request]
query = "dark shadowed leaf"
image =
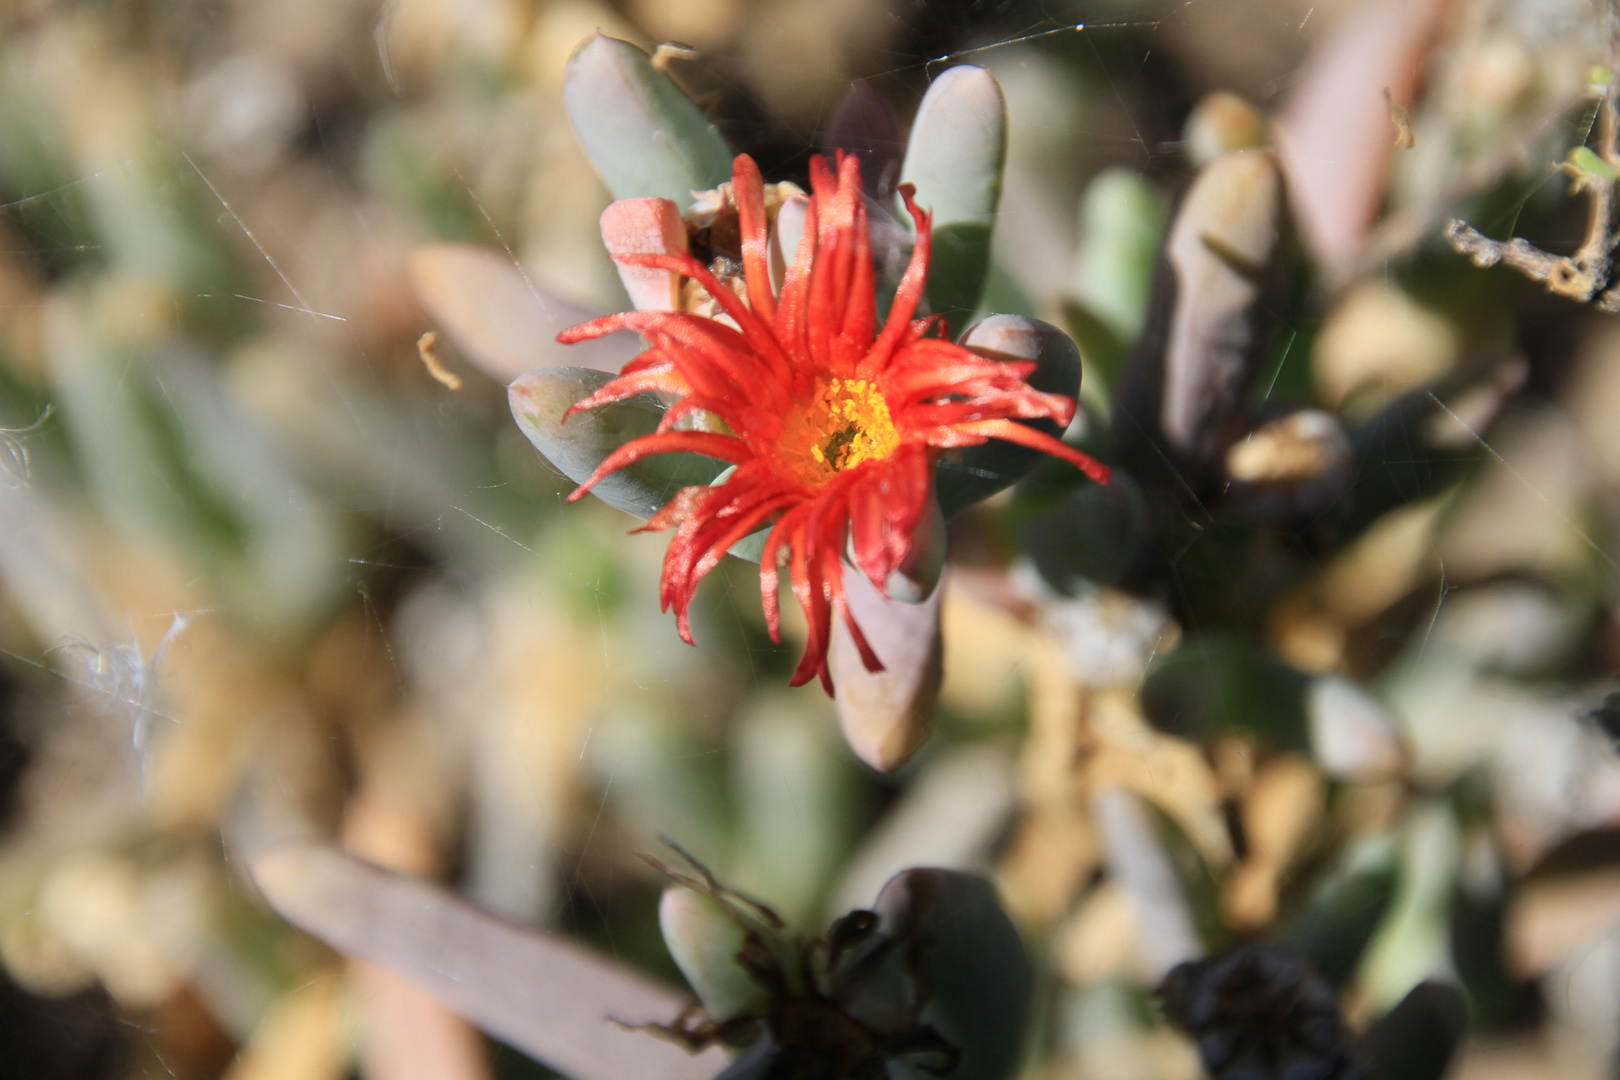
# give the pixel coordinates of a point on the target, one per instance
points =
(863, 124)
(1213, 683)
(1336, 926)
(1416, 1039)
(1093, 533)
(972, 960)
(963, 478)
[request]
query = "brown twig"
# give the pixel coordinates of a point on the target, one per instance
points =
(1586, 276)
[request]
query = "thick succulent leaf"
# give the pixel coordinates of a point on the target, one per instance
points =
(645, 226)
(886, 715)
(1182, 398)
(1220, 123)
(964, 478)
(1225, 250)
(1293, 468)
(956, 155)
(1417, 1038)
(862, 123)
(500, 319)
(972, 962)
(704, 941)
(576, 448)
(643, 135)
(546, 996)
(786, 232)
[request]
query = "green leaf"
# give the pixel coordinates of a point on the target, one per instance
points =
(1584, 159)
(955, 157)
(643, 135)
(1122, 220)
(704, 941)
(577, 447)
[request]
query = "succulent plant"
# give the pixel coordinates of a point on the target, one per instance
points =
(676, 226)
(933, 980)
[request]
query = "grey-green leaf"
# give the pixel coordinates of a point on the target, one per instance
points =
(980, 471)
(955, 157)
(577, 447)
(575, 1011)
(641, 132)
(887, 715)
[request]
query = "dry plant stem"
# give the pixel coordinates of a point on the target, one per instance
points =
(1584, 275)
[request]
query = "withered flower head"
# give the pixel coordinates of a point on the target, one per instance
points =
(1258, 1012)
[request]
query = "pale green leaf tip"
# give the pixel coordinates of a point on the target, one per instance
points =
(958, 146)
(642, 134)
(704, 942)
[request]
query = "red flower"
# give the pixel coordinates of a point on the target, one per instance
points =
(834, 424)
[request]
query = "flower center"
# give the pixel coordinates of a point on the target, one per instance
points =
(846, 423)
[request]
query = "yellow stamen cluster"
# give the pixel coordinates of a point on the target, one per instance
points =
(846, 423)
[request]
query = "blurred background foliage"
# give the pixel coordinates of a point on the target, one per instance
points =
(264, 578)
